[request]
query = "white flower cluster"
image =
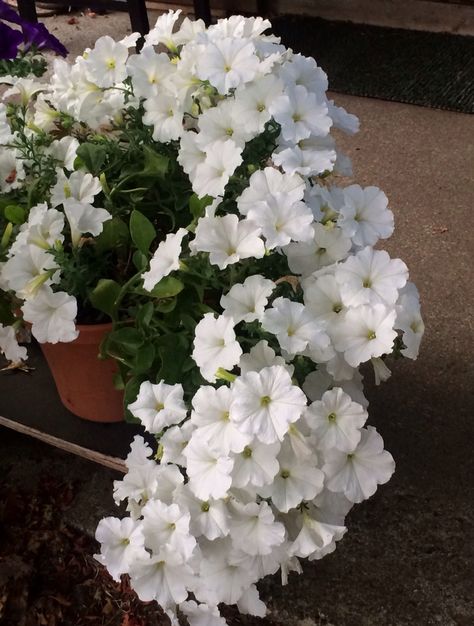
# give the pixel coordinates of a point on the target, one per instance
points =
(253, 476)
(259, 467)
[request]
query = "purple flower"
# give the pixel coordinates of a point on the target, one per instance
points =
(37, 35)
(10, 39)
(8, 14)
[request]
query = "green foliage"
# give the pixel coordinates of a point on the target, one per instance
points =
(142, 231)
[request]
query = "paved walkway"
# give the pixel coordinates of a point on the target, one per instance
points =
(408, 557)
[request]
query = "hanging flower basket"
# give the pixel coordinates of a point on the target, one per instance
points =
(196, 198)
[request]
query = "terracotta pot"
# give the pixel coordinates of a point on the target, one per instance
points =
(85, 382)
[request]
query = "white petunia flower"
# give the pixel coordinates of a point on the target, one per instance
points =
(164, 577)
(247, 301)
(323, 299)
(158, 406)
(64, 151)
(365, 332)
(190, 154)
(202, 614)
(105, 63)
(29, 269)
(250, 603)
(365, 216)
(325, 203)
(266, 403)
(256, 465)
(9, 345)
(409, 320)
(149, 71)
(162, 32)
(212, 175)
(270, 182)
(304, 71)
(220, 578)
(260, 356)
(315, 536)
(121, 543)
(254, 529)
(208, 471)
(173, 441)
(227, 63)
(209, 518)
(52, 316)
(211, 417)
(84, 218)
(294, 327)
(309, 157)
(167, 525)
(343, 120)
(357, 474)
(282, 220)
(300, 114)
(228, 240)
(26, 88)
(45, 116)
(369, 277)
(44, 227)
(221, 123)
(80, 186)
(165, 259)
(165, 114)
(298, 479)
(215, 345)
(336, 421)
(12, 172)
(252, 102)
(328, 245)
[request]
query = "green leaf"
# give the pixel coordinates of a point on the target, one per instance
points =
(15, 213)
(142, 231)
(92, 157)
(156, 164)
(197, 206)
(140, 260)
(104, 295)
(144, 315)
(143, 359)
(166, 288)
(173, 350)
(124, 340)
(166, 305)
(114, 235)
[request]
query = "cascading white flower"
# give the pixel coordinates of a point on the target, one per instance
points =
(365, 332)
(371, 276)
(336, 421)
(266, 402)
(165, 259)
(121, 544)
(158, 406)
(80, 186)
(356, 474)
(215, 345)
(247, 301)
(250, 478)
(228, 239)
(9, 345)
(84, 218)
(52, 316)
